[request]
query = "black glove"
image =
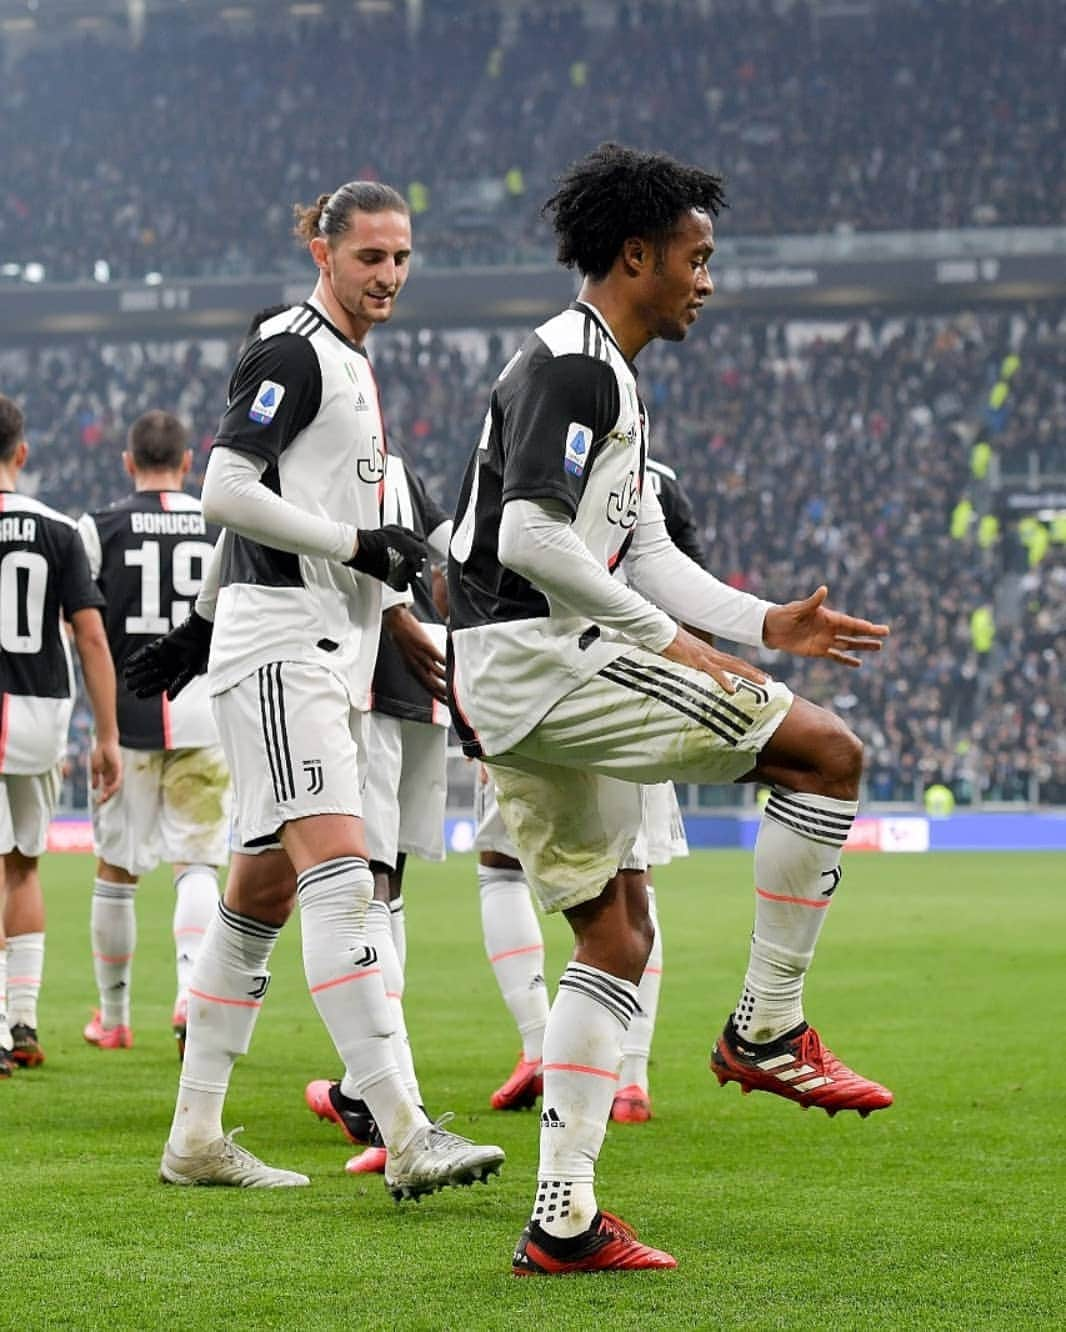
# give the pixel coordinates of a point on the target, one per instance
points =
(392, 554)
(170, 662)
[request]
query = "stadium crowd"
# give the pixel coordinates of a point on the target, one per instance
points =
(810, 453)
(911, 116)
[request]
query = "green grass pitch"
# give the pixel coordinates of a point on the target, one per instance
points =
(940, 975)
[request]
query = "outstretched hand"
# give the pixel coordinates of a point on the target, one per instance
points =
(810, 629)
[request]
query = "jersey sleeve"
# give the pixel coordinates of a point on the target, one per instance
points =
(552, 426)
(90, 536)
(77, 591)
(681, 521)
(275, 392)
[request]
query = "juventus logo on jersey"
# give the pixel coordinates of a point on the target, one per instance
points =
(623, 506)
(372, 469)
(313, 770)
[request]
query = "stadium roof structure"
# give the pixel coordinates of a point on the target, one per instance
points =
(52, 16)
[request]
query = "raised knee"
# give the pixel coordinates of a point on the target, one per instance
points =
(841, 761)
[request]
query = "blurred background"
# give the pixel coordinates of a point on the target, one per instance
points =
(876, 398)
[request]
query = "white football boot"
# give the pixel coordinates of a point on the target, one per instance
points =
(223, 1162)
(436, 1159)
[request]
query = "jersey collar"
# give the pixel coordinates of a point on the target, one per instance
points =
(605, 328)
(311, 304)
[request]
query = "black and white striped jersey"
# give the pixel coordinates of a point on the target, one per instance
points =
(396, 692)
(44, 579)
(148, 553)
(304, 400)
(565, 424)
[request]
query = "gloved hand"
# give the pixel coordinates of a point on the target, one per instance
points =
(170, 662)
(391, 554)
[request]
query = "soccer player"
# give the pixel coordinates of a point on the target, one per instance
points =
(406, 785)
(148, 554)
(296, 477)
(576, 688)
(514, 943)
(44, 580)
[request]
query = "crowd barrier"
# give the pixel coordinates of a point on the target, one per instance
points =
(1031, 830)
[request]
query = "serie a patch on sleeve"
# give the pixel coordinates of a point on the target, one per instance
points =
(266, 402)
(578, 439)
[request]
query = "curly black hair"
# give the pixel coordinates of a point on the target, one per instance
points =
(617, 192)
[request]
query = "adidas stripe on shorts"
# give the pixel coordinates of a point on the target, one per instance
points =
(569, 792)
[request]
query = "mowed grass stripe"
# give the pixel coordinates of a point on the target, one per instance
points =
(938, 975)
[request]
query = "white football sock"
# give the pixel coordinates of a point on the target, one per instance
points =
(225, 995)
(797, 869)
(25, 967)
(582, 1052)
(113, 928)
(515, 948)
(379, 936)
(345, 979)
(5, 1030)
(195, 905)
(398, 918)
(636, 1045)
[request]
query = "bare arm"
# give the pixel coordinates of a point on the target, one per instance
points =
(99, 671)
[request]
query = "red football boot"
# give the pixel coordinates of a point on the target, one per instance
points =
(353, 1118)
(631, 1105)
(609, 1245)
(107, 1038)
(25, 1047)
(522, 1088)
(370, 1162)
(800, 1068)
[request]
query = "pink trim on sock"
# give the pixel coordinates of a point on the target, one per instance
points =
(580, 1068)
(189, 929)
(103, 957)
(819, 903)
(514, 952)
(344, 980)
(232, 1003)
(653, 971)
(33, 981)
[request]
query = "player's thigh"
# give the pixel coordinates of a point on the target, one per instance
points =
(26, 811)
(572, 828)
(196, 801)
(383, 740)
(646, 719)
(423, 791)
(126, 828)
(292, 747)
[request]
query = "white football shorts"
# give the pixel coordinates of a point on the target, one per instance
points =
(27, 804)
(173, 805)
(662, 831)
(569, 791)
(406, 787)
(293, 743)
